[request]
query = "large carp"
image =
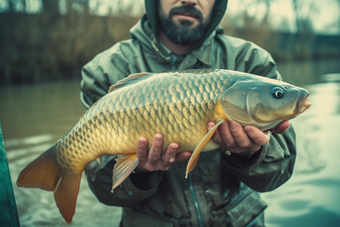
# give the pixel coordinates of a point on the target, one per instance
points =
(176, 104)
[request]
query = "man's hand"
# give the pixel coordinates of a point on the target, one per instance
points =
(154, 159)
(246, 140)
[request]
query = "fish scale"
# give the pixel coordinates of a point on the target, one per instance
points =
(177, 104)
(175, 91)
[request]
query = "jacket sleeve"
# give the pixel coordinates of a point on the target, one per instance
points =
(273, 164)
(97, 76)
(271, 167)
(99, 178)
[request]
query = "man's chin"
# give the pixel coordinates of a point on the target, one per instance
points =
(188, 24)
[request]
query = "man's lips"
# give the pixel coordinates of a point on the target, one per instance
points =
(187, 16)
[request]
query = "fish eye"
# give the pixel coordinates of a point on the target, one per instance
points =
(277, 92)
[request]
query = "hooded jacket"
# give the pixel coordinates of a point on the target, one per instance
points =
(222, 190)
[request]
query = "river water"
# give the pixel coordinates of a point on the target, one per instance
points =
(34, 117)
(312, 196)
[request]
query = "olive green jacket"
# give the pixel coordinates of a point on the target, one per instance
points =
(221, 190)
(167, 198)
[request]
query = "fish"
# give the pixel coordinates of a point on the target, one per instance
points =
(177, 104)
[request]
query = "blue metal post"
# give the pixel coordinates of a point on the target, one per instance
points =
(8, 208)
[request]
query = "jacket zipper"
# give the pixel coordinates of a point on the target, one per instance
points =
(193, 195)
(173, 63)
(191, 185)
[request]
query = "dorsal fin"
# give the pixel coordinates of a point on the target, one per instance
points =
(127, 80)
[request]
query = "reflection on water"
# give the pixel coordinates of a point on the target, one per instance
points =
(33, 117)
(307, 72)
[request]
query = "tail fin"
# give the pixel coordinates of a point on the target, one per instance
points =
(46, 173)
(66, 195)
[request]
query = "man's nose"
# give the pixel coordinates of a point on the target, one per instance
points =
(189, 2)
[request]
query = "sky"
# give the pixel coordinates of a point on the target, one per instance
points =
(325, 14)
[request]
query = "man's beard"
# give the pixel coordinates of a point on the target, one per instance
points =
(182, 34)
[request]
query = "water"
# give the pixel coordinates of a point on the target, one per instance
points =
(33, 117)
(311, 197)
(307, 72)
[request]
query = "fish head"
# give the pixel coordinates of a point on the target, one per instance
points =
(263, 103)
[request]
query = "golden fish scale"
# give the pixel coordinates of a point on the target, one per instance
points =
(177, 105)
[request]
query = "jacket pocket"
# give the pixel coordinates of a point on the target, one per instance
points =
(132, 218)
(245, 212)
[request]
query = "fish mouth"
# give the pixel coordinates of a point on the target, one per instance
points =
(303, 102)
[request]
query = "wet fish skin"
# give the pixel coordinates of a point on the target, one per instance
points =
(179, 109)
(177, 104)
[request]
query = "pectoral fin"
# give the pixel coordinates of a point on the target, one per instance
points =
(195, 155)
(124, 166)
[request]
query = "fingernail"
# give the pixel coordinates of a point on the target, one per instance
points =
(172, 148)
(233, 126)
(158, 140)
(210, 126)
(172, 159)
(142, 141)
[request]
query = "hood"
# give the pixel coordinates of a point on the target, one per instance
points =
(220, 7)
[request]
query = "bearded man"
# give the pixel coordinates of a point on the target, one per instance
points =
(223, 189)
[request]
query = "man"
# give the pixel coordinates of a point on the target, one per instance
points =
(221, 190)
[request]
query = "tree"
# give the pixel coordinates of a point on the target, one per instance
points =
(52, 6)
(16, 5)
(303, 12)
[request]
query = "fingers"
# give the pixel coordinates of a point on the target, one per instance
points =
(169, 156)
(142, 151)
(223, 136)
(180, 157)
(154, 159)
(239, 135)
(149, 159)
(259, 137)
(238, 139)
(282, 127)
(156, 149)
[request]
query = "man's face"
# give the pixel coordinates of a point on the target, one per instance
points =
(184, 22)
